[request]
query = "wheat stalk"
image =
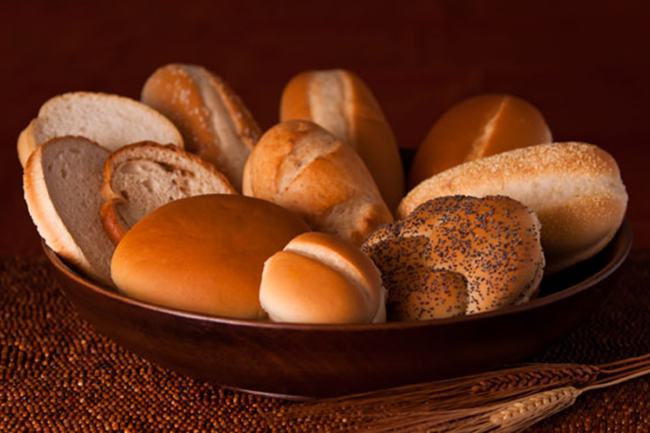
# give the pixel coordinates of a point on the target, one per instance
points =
(503, 401)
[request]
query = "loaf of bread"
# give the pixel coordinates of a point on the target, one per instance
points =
(141, 177)
(204, 254)
(574, 188)
(111, 121)
(477, 127)
(213, 120)
(320, 278)
(62, 180)
(342, 103)
(302, 167)
(458, 255)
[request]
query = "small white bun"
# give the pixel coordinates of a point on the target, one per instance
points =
(320, 278)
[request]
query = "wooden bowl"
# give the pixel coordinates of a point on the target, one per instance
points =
(305, 361)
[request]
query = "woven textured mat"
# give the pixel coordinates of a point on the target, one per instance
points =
(57, 374)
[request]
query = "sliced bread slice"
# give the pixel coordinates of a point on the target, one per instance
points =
(141, 177)
(62, 181)
(112, 121)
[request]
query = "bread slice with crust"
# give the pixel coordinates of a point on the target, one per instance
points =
(112, 121)
(141, 177)
(62, 181)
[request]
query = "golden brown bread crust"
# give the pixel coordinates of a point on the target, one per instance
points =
(352, 115)
(184, 93)
(301, 166)
(204, 254)
(320, 278)
(114, 224)
(475, 128)
(574, 188)
(494, 242)
(425, 293)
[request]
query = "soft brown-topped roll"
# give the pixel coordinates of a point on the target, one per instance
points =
(320, 278)
(301, 166)
(574, 188)
(493, 243)
(475, 128)
(214, 122)
(339, 101)
(204, 254)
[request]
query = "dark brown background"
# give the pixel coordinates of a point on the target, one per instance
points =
(584, 64)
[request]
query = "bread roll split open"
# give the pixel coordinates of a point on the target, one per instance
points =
(320, 278)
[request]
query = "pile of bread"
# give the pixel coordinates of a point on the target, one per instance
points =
(179, 200)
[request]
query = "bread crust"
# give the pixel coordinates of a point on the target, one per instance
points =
(299, 165)
(175, 160)
(477, 127)
(575, 189)
(213, 120)
(354, 116)
(320, 278)
(493, 242)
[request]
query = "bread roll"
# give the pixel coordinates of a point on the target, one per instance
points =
(204, 254)
(215, 123)
(478, 127)
(493, 242)
(320, 278)
(141, 177)
(302, 167)
(574, 188)
(340, 102)
(111, 121)
(61, 180)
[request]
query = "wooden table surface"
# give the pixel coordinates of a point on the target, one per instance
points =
(584, 64)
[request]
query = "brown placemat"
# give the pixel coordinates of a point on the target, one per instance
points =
(58, 374)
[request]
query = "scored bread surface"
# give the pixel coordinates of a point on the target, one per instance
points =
(214, 121)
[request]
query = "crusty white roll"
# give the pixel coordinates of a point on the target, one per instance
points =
(299, 165)
(214, 122)
(492, 242)
(320, 278)
(339, 101)
(204, 254)
(477, 127)
(575, 189)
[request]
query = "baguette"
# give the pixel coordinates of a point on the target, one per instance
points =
(213, 120)
(575, 189)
